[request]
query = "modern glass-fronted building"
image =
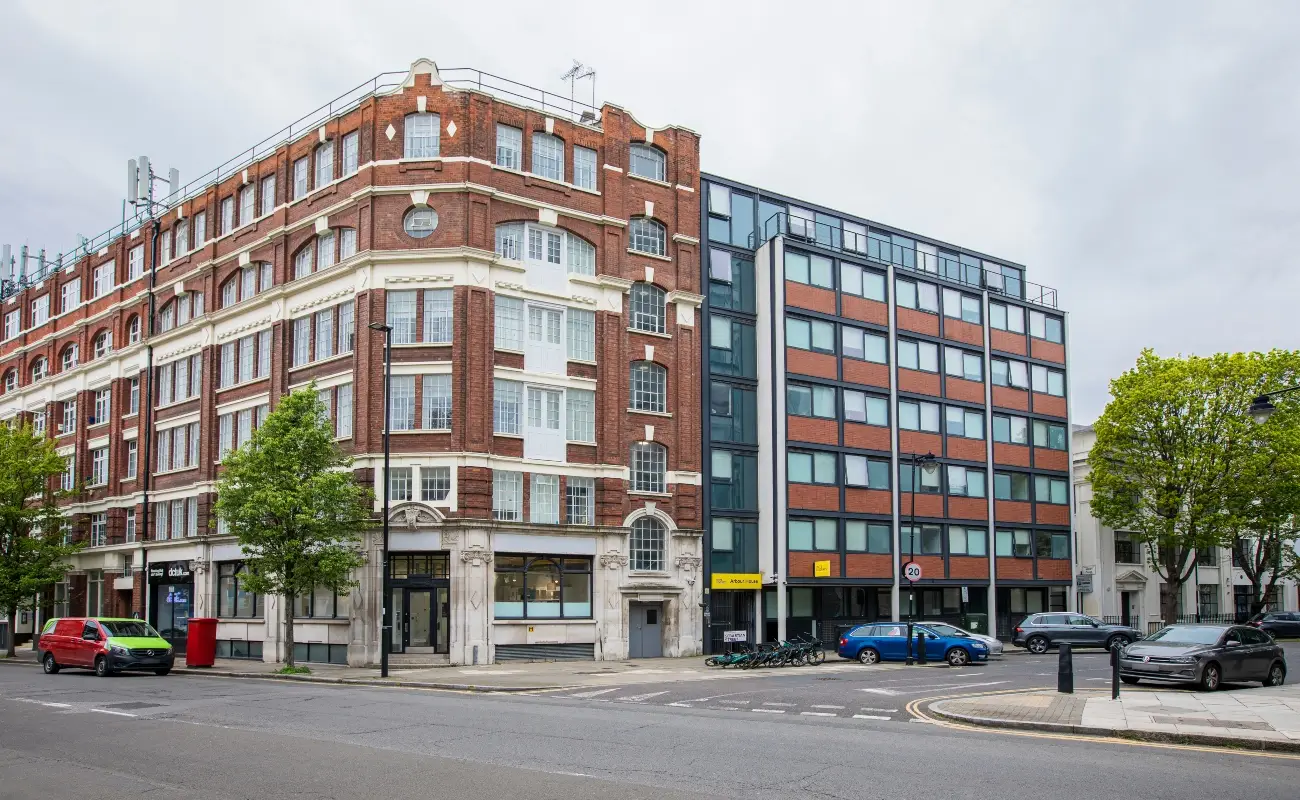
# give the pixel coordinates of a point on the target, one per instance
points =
(875, 398)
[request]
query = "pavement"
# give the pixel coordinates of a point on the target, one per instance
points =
(1266, 718)
(75, 735)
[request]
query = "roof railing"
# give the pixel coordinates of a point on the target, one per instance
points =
(456, 77)
(963, 269)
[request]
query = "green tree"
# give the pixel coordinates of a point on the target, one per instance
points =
(32, 553)
(1265, 493)
(1170, 447)
(289, 496)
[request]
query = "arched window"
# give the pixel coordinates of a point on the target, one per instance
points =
(11, 380)
(420, 222)
(103, 343)
(548, 156)
(302, 262)
(649, 462)
(648, 302)
(325, 250)
(69, 357)
(510, 240)
(40, 368)
(422, 131)
(646, 545)
(646, 161)
(133, 330)
(649, 386)
(230, 291)
(646, 235)
(347, 243)
(167, 317)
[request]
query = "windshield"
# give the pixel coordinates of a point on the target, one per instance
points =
(129, 627)
(1186, 634)
(946, 630)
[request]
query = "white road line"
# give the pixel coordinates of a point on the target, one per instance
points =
(869, 716)
(57, 705)
(787, 705)
(593, 694)
(114, 713)
(640, 698)
(835, 707)
(769, 710)
(682, 705)
(816, 714)
(886, 710)
(886, 692)
(735, 702)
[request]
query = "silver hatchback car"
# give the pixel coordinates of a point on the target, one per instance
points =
(944, 629)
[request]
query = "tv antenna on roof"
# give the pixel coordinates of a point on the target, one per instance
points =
(576, 73)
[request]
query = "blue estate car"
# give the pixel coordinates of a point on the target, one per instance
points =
(887, 641)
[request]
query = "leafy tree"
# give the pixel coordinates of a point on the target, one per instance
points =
(289, 496)
(32, 553)
(1265, 494)
(1170, 448)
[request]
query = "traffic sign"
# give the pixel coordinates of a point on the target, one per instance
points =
(912, 571)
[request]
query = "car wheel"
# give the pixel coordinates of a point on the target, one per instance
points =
(957, 657)
(161, 672)
(1211, 677)
(1276, 675)
(1128, 680)
(101, 667)
(868, 655)
(1117, 642)
(1037, 645)
(49, 664)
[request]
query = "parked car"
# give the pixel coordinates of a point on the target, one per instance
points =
(887, 641)
(1207, 655)
(104, 644)
(1040, 632)
(1277, 623)
(945, 629)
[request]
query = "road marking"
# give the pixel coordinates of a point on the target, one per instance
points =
(886, 692)
(593, 694)
(958, 686)
(682, 705)
(114, 713)
(886, 710)
(869, 716)
(640, 698)
(835, 707)
(787, 705)
(735, 702)
(814, 713)
(57, 705)
(769, 710)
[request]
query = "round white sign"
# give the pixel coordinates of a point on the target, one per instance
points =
(912, 571)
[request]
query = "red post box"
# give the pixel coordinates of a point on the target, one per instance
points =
(201, 642)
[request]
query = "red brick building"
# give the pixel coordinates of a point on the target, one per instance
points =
(538, 266)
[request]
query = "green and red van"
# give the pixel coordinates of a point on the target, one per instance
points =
(104, 644)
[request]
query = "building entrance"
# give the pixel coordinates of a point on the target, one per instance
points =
(420, 603)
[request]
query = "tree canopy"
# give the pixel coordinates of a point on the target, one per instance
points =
(289, 496)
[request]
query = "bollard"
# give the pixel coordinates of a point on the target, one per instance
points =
(1114, 674)
(909, 643)
(1065, 670)
(920, 648)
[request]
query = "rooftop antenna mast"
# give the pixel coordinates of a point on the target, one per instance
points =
(576, 73)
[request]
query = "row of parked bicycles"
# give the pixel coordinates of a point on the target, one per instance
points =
(799, 653)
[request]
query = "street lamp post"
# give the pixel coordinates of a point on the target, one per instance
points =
(1261, 408)
(927, 463)
(386, 625)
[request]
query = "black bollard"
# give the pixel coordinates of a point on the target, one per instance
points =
(909, 644)
(1114, 674)
(1065, 670)
(920, 648)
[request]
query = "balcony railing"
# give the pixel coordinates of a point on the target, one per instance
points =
(886, 251)
(457, 77)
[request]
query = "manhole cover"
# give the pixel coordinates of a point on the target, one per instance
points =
(135, 705)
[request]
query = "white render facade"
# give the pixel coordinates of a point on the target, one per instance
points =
(1125, 588)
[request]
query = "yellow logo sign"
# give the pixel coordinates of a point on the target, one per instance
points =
(737, 580)
(821, 569)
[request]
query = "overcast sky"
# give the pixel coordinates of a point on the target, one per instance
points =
(1139, 157)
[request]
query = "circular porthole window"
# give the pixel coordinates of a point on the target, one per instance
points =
(420, 222)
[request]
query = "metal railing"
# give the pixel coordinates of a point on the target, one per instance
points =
(965, 270)
(456, 77)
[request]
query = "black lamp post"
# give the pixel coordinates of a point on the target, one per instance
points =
(386, 625)
(928, 463)
(1261, 408)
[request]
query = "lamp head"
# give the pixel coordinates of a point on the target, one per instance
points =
(1261, 409)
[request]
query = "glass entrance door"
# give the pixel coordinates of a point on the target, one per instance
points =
(419, 618)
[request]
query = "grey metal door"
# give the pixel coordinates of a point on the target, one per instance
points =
(645, 638)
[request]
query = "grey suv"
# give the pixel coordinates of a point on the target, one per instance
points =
(1038, 632)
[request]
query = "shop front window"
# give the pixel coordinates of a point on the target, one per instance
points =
(542, 587)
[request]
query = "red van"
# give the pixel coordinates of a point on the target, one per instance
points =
(103, 644)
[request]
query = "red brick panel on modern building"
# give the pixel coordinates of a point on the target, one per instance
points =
(966, 449)
(910, 380)
(866, 437)
(866, 372)
(806, 362)
(1049, 404)
(1015, 568)
(1047, 351)
(1050, 514)
(1051, 459)
(1016, 455)
(1007, 342)
(804, 564)
(1006, 397)
(868, 501)
(962, 389)
(1011, 511)
(864, 310)
(868, 565)
(968, 567)
(1054, 569)
(918, 321)
(812, 429)
(814, 498)
(813, 298)
(962, 331)
(968, 508)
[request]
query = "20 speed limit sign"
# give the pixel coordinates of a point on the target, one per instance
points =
(912, 571)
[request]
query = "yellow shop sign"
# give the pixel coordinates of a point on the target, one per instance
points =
(737, 580)
(821, 569)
